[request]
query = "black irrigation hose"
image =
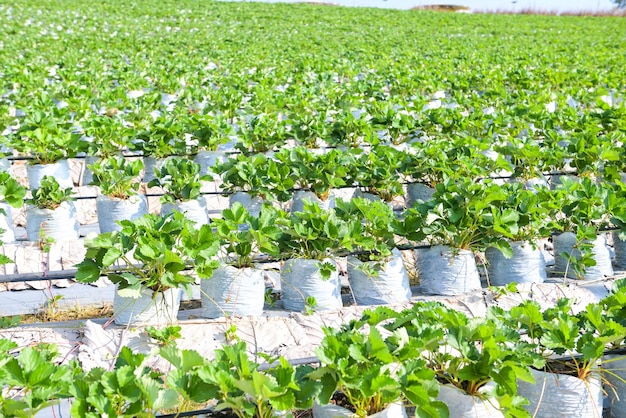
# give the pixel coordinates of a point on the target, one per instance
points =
(33, 277)
(293, 190)
(225, 193)
(188, 413)
(71, 273)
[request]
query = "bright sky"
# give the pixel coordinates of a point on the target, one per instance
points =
(560, 5)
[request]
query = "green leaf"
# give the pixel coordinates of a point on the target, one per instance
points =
(133, 291)
(504, 247)
(158, 398)
(88, 271)
(14, 373)
(377, 348)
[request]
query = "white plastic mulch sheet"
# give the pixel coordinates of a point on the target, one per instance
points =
(293, 335)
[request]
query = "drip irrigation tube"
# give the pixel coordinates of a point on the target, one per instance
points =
(71, 273)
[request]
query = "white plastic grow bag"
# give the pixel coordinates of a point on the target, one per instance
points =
(619, 247)
(299, 196)
(150, 164)
(358, 193)
(446, 271)
(60, 224)
(149, 309)
(5, 164)
(59, 170)
(209, 159)
(252, 203)
(300, 278)
(565, 243)
(6, 223)
(87, 175)
(462, 405)
(615, 375)
(194, 210)
(418, 191)
(557, 179)
(390, 284)
(558, 395)
(233, 291)
(527, 265)
(394, 410)
(536, 183)
(110, 210)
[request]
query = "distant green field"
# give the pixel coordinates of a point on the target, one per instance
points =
(287, 60)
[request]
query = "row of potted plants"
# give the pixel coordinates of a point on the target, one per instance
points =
(458, 212)
(462, 217)
(47, 138)
(155, 254)
(160, 130)
(52, 214)
(517, 363)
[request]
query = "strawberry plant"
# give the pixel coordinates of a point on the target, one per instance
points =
(363, 366)
(313, 234)
(243, 387)
(180, 179)
(117, 177)
(456, 216)
(518, 216)
(105, 136)
(377, 172)
(50, 195)
(246, 174)
(160, 138)
(470, 353)
(131, 389)
(31, 381)
(242, 245)
(10, 190)
(45, 137)
(572, 344)
(299, 168)
(151, 252)
(262, 133)
(207, 131)
(374, 227)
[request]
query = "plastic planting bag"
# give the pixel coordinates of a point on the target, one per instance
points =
(527, 265)
(447, 271)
